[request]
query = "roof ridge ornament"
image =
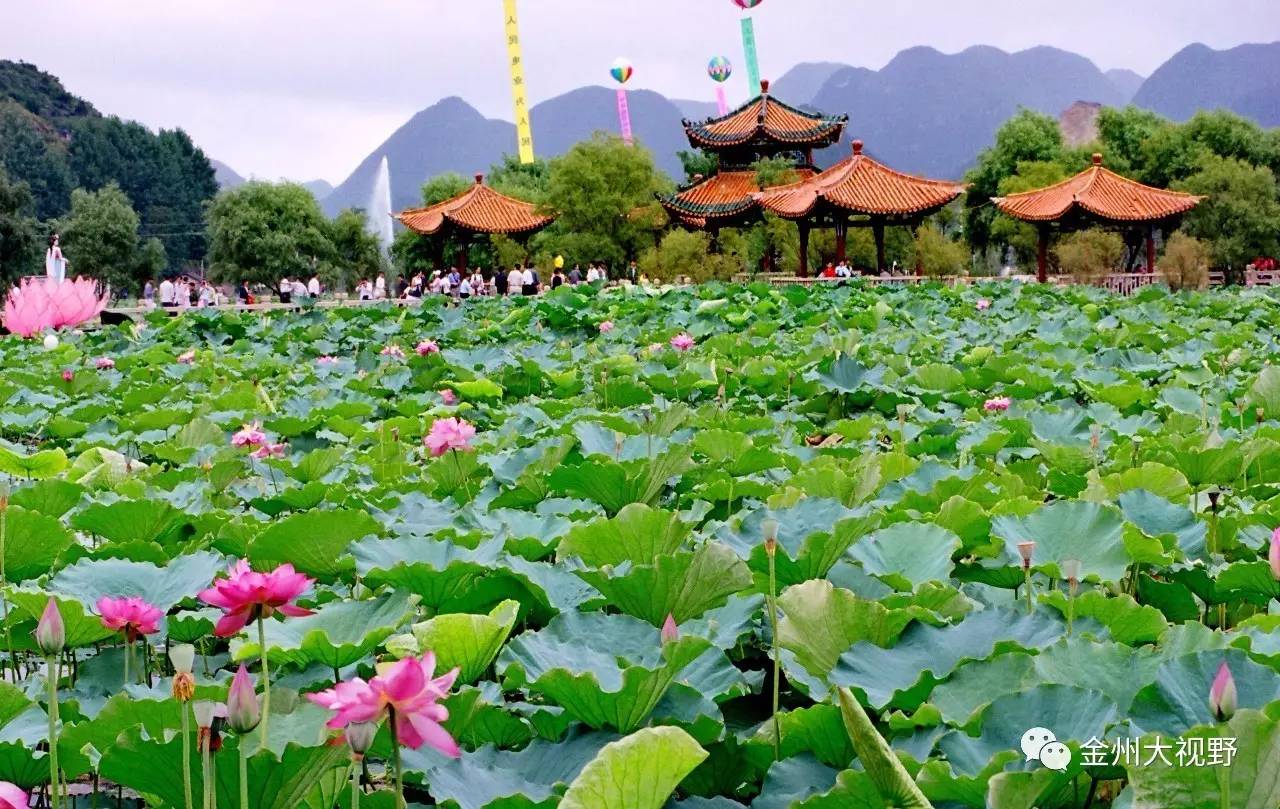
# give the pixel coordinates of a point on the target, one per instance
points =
(857, 147)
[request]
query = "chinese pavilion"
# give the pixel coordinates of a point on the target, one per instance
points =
(857, 192)
(761, 128)
(475, 212)
(1098, 196)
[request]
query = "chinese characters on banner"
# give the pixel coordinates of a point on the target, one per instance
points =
(524, 132)
(753, 63)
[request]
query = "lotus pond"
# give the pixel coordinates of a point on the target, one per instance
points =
(590, 578)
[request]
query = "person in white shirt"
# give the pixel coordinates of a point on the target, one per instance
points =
(593, 274)
(842, 270)
(528, 286)
(313, 287)
(286, 290)
(380, 288)
(167, 293)
(464, 287)
(208, 295)
(299, 289)
(515, 279)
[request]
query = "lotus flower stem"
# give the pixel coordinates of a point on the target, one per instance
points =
(771, 548)
(401, 803)
(355, 785)
(55, 779)
(186, 753)
(206, 770)
(128, 653)
(266, 680)
(244, 773)
(4, 580)
(466, 487)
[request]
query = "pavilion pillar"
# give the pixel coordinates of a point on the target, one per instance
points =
(877, 230)
(463, 249)
(842, 232)
(1151, 249)
(915, 240)
(803, 270)
(1042, 255)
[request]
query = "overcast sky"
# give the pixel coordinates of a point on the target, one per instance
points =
(306, 88)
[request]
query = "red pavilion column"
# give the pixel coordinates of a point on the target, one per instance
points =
(842, 232)
(803, 270)
(877, 230)
(1042, 255)
(1151, 249)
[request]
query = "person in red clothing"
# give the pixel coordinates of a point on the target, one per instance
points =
(830, 271)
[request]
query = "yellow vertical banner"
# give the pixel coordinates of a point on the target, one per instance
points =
(524, 132)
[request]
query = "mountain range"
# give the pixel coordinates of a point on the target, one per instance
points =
(924, 112)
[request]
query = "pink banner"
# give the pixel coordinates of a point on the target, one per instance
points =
(624, 116)
(721, 100)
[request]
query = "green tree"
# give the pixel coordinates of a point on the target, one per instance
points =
(687, 253)
(20, 241)
(1185, 264)
(100, 237)
(31, 157)
(1089, 254)
(593, 189)
(356, 251)
(262, 232)
(526, 181)
(1026, 137)
(1240, 217)
(698, 162)
(936, 255)
(151, 261)
(1016, 234)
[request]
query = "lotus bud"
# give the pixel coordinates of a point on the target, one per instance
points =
(1025, 549)
(1273, 554)
(68, 375)
(51, 633)
(670, 632)
(360, 736)
(243, 712)
(183, 657)
(1222, 694)
(1071, 572)
(770, 530)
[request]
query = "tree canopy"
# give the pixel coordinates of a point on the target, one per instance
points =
(100, 240)
(263, 232)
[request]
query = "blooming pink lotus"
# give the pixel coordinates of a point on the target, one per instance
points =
(326, 360)
(449, 434)
(132, 616)
(247, 595)
(998, 404)
(1273, 554)
(249, 435)
(187, 357)
(269, 451)
(682, 342)
(404, 690)
(606, 327)
(394, 351)
(104, 363)
(982, 304)
(12, 798)
(38, 304)
(449, 397)
(427, 347)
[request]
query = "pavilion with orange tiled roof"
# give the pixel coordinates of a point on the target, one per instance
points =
(1097, 196)
(859, 191)
(761, 128)
(477, 211)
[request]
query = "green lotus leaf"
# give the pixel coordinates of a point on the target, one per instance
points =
(131, 521)
(336, 635)
(33, 543)
(638, 772)
(163, 587)
(1265, 391)
(1030, 790)
(470, 642)
(615, 485)
(817, 730)
(820, 622)
(100, 467)
(1156, 516)
(1178, 698)
(1156, 478)
(683, 585)
(605, 670)
(638, 534)
(37, 466)
(53, 497)
(1126, 620)
(81, 745)
(1068, 529)
(907, 554)
(1250, 577)
(83, 627)
(847, 375)
(314, 542)
(812, 536)
(435, 571)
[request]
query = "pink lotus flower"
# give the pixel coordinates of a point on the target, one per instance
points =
(51, 632)
(249, 435)
(326, 360)
(982, 304)
(187, 357)
(449, 397)
(407, 692)
(656, 348)
(246, 595)
(682, 342)
(449, 434)
(999, 404)
(243, 712)
(427, 347)
(37, 304)
(266, 451)
(670, 632)
(1273, 554)
(12, 798)
(393, 351)
(606, 327)
(1222, 694)
(104, 363)
(68, 375)
(132, 616)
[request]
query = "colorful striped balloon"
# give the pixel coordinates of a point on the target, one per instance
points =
(720, 68)
(621, 70)
(747, 5)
